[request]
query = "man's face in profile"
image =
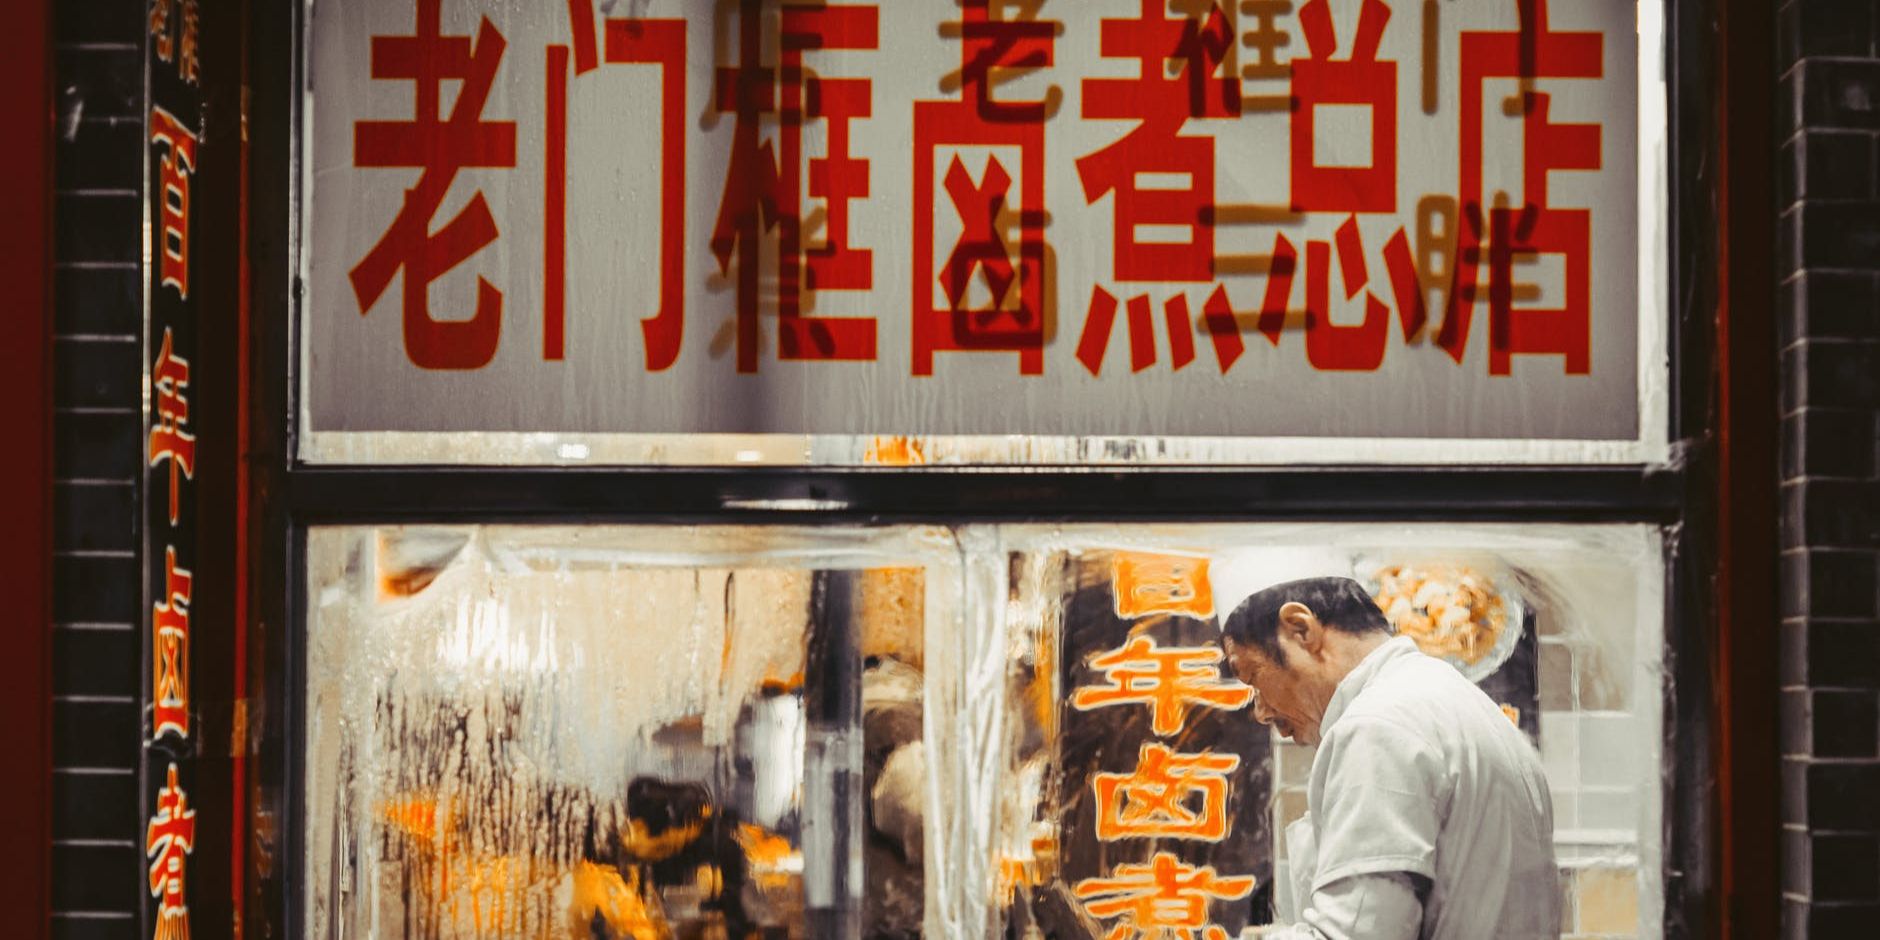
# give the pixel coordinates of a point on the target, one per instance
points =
(1279, 697)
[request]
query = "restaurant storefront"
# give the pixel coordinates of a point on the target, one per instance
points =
(766, 469)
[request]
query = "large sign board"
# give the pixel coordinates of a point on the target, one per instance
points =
(1362, 219)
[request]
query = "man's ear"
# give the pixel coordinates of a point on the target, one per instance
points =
(1299, 624)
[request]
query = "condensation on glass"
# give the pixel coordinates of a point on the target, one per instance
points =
(606, 731)
(526, 732)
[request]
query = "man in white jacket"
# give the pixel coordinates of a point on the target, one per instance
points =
(1428, 814)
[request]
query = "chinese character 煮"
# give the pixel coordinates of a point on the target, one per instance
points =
(1181, 166)
(170, 839)
(1164, 899)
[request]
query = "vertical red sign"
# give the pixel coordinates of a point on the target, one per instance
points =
(171, 541)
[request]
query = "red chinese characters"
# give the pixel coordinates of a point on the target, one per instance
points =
(177, 165)
(1161, 180)
(440, 147)
(1164, 899)
(990, 205)
(169, 629)
(170, 441)
(764, 187)
(1535, 228)
(627, 42)
(168, 840)
(1361, 79)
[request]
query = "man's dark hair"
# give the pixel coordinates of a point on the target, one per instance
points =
(1340, 604)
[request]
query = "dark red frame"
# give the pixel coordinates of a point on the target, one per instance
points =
(26, 478)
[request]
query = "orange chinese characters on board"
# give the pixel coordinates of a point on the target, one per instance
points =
(169, 622)
(1165, 899)
(170, 837)
(1157, 800)
(170, 439)
(1161, 584)
(1169, 681)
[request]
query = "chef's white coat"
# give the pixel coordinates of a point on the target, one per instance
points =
(1428, 814)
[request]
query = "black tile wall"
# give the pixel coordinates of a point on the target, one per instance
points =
(95, 806)
(97, 853)
(98, 226)
(96, 373)
(97, 661)
(95, 517)
(1828, 52)
(98, 301)
(92, 445)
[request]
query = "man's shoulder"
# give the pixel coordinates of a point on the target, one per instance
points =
(1427, 697)
(1411, 684)
(1381, 723)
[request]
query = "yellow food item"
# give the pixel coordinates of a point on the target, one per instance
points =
(1448, 610)
(601, 890)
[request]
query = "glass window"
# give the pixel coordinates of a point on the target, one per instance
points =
(1561, 625)
(515, 732)
(980, 731)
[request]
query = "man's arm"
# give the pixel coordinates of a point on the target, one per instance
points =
(1380, 906)
(1377, 822)
(1381, 802)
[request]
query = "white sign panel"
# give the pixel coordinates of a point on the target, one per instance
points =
(1370, 219)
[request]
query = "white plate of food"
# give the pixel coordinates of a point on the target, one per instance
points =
(1462, 614)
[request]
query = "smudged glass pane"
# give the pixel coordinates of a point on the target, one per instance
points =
(523, 732)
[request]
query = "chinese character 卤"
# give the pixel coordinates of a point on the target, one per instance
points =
(1155, 800)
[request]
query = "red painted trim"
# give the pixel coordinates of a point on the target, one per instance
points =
(25, 513)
